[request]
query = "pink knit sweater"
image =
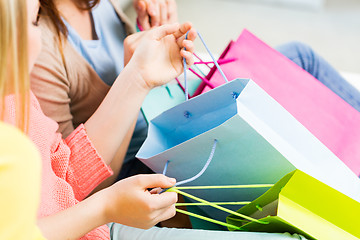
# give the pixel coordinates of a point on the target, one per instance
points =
(71, 168)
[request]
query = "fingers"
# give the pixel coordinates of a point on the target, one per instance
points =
(143, 16)
(156, 190)
(165, 30)
(163, 13)
(183, 29)
(188, 57)
(172, 15)
(188, 53)
(166, 213)
(179, 31)
(154, 12)
(164, 205)
(188, 45)
(148, 13)
(155, 181)
(191, 35)
(164, 200)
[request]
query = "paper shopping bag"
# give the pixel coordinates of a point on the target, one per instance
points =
(299, 203)
(258, 141)
(328, 117)
(165, 97)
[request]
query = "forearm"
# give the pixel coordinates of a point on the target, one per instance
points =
(117, 161)
(108, 126)
(74, 222)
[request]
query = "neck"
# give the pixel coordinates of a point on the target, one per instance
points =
(78, 18)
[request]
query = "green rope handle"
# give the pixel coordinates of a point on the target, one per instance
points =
(208, 219)
(216, 203)
(227, 186)
(175, 189)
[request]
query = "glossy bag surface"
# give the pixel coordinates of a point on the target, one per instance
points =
(328, 117)
(258, 141)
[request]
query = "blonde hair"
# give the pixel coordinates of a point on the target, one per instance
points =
(14, 68)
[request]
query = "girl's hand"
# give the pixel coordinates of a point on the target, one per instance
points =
(158, 58)
(130, 44)
(153, 13)
(130, 202)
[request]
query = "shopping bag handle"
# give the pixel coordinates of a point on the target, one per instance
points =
(177, 189)
(203, 77)
(199, 173)
(217, 205)
(213, 59)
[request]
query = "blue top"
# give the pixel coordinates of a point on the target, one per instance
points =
(106, 54)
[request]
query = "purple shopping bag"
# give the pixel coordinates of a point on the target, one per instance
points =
(328, 117)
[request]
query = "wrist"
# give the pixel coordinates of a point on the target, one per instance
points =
(137, 77)
(101, 208)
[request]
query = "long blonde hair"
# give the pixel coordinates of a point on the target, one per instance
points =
(14, 68)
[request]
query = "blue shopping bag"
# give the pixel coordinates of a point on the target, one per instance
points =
(258, 142)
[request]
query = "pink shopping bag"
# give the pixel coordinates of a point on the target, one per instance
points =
(328, 117)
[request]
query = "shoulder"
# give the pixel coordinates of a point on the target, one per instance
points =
(51, 55)
(129, 26)
(57, 59)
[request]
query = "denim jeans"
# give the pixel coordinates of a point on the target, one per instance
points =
(317, 66)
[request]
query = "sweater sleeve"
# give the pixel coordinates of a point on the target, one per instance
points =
(77, 162)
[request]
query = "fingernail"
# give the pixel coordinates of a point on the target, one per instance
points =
(172, 180)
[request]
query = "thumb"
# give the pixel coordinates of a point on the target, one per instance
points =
(165, 30)
(157, 180)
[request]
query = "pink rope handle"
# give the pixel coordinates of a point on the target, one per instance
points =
(202, 60)
(139, 25)
(207, 82)
(220, 61)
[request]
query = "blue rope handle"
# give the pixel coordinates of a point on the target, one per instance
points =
(213, 59)
(203, 169)
(185, 77)
(211, 156)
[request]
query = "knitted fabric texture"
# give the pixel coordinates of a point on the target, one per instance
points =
(71, 168)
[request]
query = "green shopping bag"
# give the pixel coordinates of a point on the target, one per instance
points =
(299, 203)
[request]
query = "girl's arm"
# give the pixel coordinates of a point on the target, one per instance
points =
(127, 202)
(156, 61)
